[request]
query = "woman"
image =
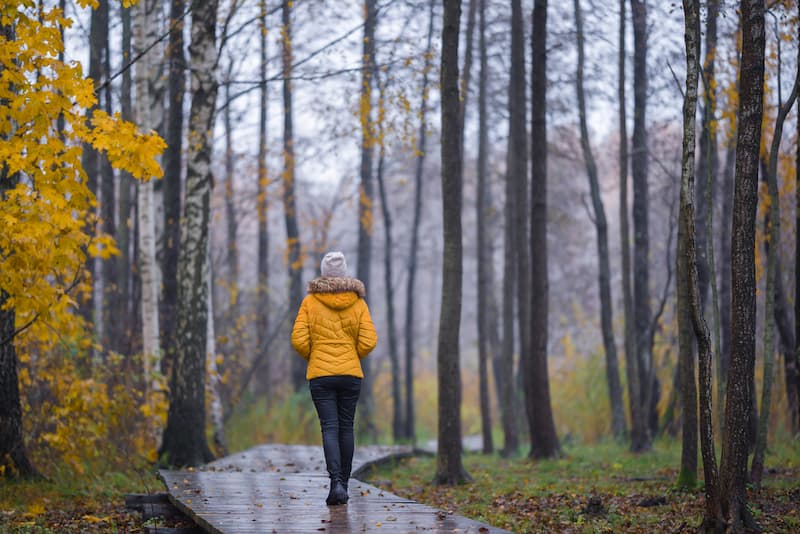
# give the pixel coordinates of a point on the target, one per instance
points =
(333, 331)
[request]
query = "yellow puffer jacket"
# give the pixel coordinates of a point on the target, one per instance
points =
(333, 329)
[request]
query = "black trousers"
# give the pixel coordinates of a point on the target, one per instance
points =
(335, 398)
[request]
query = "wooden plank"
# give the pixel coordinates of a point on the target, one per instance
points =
(237, 502)
(299, 458)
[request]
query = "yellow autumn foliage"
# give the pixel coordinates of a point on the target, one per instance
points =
(75, 411)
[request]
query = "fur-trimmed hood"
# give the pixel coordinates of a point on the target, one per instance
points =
(330, 284)
(337, 292)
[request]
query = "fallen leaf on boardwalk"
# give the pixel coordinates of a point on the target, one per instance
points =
(378, 524)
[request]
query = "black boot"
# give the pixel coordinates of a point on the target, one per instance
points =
(337, 494)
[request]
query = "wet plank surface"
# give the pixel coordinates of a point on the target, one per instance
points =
(246, 501)
(300, 458)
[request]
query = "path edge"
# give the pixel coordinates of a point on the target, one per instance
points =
(389, 458)
(199, 521)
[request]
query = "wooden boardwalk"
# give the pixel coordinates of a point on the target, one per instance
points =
(282, 488)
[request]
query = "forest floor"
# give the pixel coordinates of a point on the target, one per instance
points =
(94, 502)
(591, 488)
(598, 488)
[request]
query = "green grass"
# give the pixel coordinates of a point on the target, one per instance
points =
(552, 495)
(92, 502)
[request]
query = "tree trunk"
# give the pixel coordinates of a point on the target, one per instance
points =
(388, 255)
(733, 469)
(687, 477)
(409, 432)
(143, 29)
(772, 244)
(449, 469)
(90, 159)
(466, 73)
(13, 458)
(631, 359)
(641, 440)
(232, 257)
(262, 203)
(122, 326)
(786, 331)
(505, 382)
(707, 159)
(690, 250)
(796, 428)
(604, 271)
(298, 371)
(106, 304)
(725, 281)
(214, 381)
(171, 185)
(708, 153)
(366, 198)
(518, 174)
(185, 441)
(544, 441)
(485, 283)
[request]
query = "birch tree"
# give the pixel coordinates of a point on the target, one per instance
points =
(184, 442)
(144, 33)
(687, 214)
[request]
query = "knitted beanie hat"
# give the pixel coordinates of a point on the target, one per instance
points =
(334, 265)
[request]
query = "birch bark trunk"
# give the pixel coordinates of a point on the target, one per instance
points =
(143, 27)
(185, 441)
(687, 214)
